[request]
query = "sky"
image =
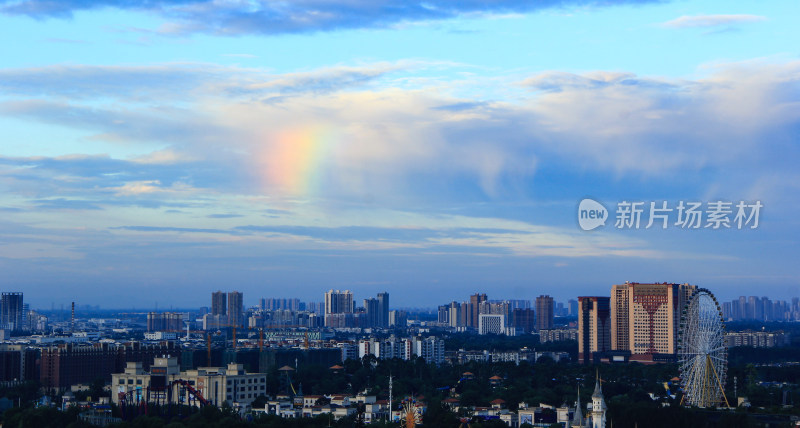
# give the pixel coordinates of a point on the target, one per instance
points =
(155, 151)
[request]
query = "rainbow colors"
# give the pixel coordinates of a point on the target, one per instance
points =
(295, 160)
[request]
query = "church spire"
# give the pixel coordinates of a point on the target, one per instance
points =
(598, 391)
(577, 418)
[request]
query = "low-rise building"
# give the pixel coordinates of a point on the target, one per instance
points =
(164, 380)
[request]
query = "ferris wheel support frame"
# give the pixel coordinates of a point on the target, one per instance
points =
(702, 389)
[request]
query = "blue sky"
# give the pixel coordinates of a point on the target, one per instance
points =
(157, 151)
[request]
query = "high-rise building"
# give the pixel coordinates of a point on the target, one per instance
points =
(473, 311)
(377, 311)
(653, 314)
(523, 320)
(594, 327)
(371, 312)
(219, 303)
(443, 315)
(383, 310)
(619, 317)
(544, 312)
(337, 302)
(11, 312)
(235, 308)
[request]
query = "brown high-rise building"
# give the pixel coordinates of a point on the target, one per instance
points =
(594, 327)
(219, 303)
(544, 312)
(70, 364)
(619, 317)
(645, 318)
(523, 319)
(474, 309)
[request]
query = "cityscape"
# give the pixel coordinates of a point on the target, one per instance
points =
(373, 213)
(200, 357)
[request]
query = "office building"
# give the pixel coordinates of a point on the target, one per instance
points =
(491, 324)
(544, 312)
(594, 327)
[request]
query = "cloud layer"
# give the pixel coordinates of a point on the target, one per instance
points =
(342, 161)
(269, 17)
(705, 21)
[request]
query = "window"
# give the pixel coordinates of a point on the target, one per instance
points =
(138, 381)
(122, 381)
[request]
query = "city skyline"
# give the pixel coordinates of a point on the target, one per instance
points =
(159, 151)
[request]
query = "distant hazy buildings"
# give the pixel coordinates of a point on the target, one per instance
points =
(757, 339)
(164, 321)
(558, 335)
(227, 310)
(761, 309)
(594, 327)
(544, 312)
(398, 319)
(429, 348)
(377, 310)
(282, 304)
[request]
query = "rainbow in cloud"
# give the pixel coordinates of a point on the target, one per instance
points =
(294, 160)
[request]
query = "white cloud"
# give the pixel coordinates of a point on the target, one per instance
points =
(705, 21)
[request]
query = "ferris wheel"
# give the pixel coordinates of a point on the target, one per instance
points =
(412, 413)
(703, 356)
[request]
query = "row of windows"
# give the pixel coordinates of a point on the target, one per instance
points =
(249, 380)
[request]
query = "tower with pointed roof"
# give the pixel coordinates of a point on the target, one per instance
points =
(598, 405)
(577, 418)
